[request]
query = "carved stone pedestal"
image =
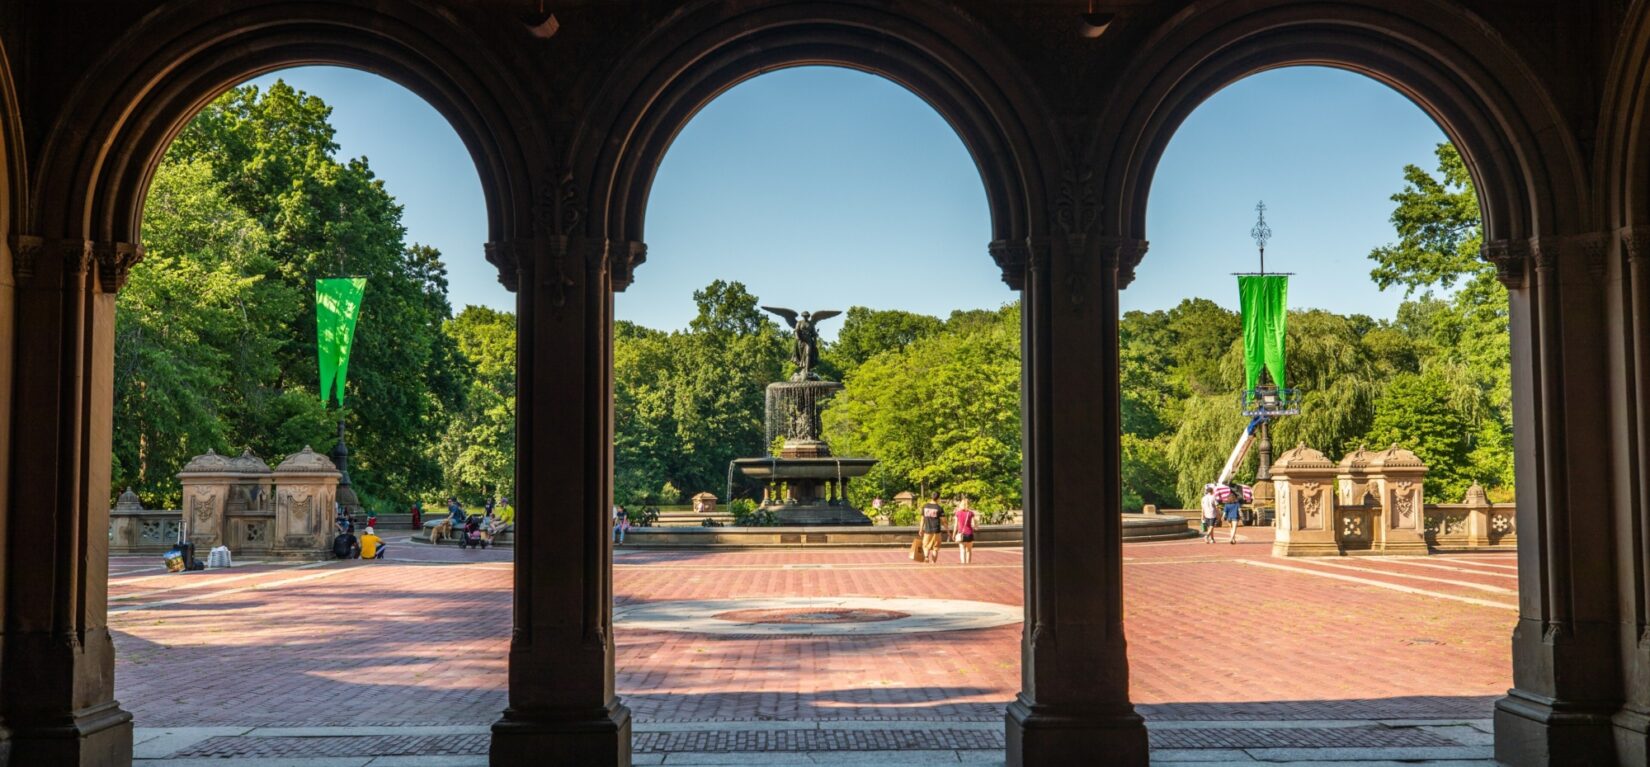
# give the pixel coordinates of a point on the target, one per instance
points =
(305, 484)
(1397, 475)
(1304, 483)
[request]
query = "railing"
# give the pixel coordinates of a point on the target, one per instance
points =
(143, 532)
(1471, 525)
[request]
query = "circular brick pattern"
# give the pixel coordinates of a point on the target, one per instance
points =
(815, 616)
(810, 616)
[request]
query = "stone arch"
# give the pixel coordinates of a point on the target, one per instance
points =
(166, 69)
(1622, 163)
(13, 169)
(1449, 63)
(944, 57)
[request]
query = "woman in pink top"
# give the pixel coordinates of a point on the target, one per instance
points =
(964, 526)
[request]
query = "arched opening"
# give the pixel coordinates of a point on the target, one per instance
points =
(266, 196)
(815, 188)
(1397, 337)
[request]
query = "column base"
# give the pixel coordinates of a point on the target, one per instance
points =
(100, 736)
(1041, 737)
(599, 738)
(1632, 736)
(1532, 731)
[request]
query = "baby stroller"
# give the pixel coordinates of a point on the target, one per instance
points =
(471, 534)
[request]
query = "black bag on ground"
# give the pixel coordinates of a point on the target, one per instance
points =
(343, 545)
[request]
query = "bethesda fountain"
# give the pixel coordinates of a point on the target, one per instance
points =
(803, 484)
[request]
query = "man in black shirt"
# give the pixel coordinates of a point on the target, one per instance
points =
(933, 528)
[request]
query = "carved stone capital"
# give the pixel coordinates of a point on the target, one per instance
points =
(1635, 246)
(1511, 259)
(1591, 250)
(1544, 255)
(1123, 254)
(77, 256)
(1013, 257)
(114, 263)
(25, 255)
(505, 257)
(623, 258)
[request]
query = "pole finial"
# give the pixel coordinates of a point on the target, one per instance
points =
(1262, 233)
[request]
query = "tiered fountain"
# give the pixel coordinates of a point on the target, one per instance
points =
(804, 484)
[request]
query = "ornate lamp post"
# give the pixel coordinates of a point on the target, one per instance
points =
(1266, 402)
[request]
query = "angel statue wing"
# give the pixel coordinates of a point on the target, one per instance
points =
(788, 314)
(826, 314)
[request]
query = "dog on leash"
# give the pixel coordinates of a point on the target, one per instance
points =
(443, 530)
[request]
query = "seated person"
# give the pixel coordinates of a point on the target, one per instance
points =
(345, 546)
(372, 546)
(471, 535)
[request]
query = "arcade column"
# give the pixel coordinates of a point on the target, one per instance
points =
(561, 701)
(58, 688)
(1073, 706)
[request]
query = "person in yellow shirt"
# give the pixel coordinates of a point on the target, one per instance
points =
(372, 546)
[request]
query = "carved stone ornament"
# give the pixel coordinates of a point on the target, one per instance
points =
(558, 210)
(624, 257)
(1635, 246)
(558, 279)
(1012, 258)
(1544, 254)
(1129, 260)
(307, 460)
(1510, 258)
(1076, 208)
(201, 506)
(77, 255)
(1311, 504)
(1403, 501)
(247, 463)
(210, 461)
(1591, 250)
(503, 256)
(114, 263)
(25, 254)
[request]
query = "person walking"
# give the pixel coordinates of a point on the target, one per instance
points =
(933, 526)
(1211, 513)
(1234, 510)
(963, 526)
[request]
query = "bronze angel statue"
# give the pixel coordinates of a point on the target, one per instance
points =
(806, 354)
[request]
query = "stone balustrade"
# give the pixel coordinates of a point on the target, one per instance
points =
(1373, 503)
(136, 530)
(240, 503)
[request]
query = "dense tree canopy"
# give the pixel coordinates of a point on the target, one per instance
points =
(216, 333)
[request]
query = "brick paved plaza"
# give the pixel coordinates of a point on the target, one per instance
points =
(1235, 655)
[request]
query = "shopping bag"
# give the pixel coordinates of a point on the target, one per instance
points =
(916, 550)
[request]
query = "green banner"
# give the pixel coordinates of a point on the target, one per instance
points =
(1265, 314)
(337, 306)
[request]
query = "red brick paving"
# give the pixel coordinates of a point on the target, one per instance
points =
(404, 642)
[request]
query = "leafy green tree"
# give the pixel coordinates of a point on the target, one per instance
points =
(478, 451)
(941, 414)
(688, 403)
(1464, 338)
(251, 191)
(1416, 412)
(868, 332)
(188, 344)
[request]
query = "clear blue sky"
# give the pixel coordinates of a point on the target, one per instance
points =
(826, 188)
